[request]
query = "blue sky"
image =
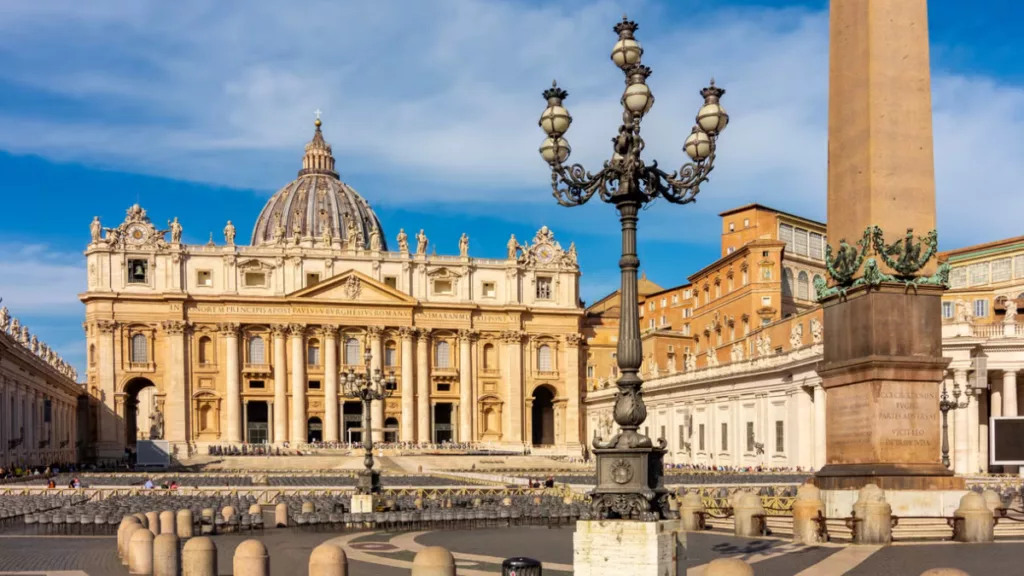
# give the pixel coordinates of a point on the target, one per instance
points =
(200, 111)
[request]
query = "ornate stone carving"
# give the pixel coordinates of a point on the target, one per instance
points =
(5, 319)
(513, 248)
(374, 332)
(407, 332)
(512, 336)
(421, 242)
(353, 286)
(403, 241)
(737, 352)
(574, 340)
(963, 311)
(296, 330)
(468, 334)
(817, 331)
(375, 242)
(712, 357)
(327, 331)
(174, 326)
(464, 245)
(95, 229)
(228, 328)
(622, 471)
(691, 362)
(1011, 309)
(175, 228)
(106, 326)
(229, 234)
(136, 231)
(764, 345)
(279, 330)
(796, 335)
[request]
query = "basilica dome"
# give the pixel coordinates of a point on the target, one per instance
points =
(318, 207)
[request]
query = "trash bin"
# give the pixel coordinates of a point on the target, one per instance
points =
(520, 567)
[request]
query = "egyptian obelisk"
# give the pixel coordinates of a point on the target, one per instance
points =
(882, 364)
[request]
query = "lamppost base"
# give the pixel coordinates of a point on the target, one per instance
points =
(630, 484)
(368, 482)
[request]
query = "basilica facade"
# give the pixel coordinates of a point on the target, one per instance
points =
(229, 343)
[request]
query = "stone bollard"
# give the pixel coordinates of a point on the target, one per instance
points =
(728, 567)
(184, 523)
(166, 561)
(806, 508)
(691, 509)
(255, 510)
(944, 572)
(308, 508)
(874, 516)
(126, 538)
(993, 501)
(199, 557)
(251, 559)
(228, 512)
(207, 523)
(281, 515)
(153, 522)
(167, 523)
(121, 534)
(142, 519)
(748, 515)
(328, 560)
(433, 561)
(140, 552)
(977, 524)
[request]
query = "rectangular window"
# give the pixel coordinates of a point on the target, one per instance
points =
(800, 241)
(391, 281)
(816, 247)
(488, 290)
(1001, 270)
(255, 279)
(750, 436)
(981, 308)
(725, 437)
(958, 277)
(663, 302)
(590, 371)
(257, 384)
(687, 312)
(543, 288)
(786, 235)
(686, 329)
(780, 436)
(700, 437)
(650, 323)
(389, 356)
(730, 250)
(732, 227)
(766, 300)
(313, 354)
(652, 305)
(675, 298)
(746, 222)
(766, 273)
(978, 274)
(947, 309)
(314, 384)
(662, 432)
(442, 286)
(204, 278)
(1018, 266)
(682, 437)
(662, 320)
(444, 387)
(312, 279)
(137, 271)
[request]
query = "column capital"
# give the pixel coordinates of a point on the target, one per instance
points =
(573, 340)
(374, 331)
(407, 332)
(106, 326)
(296, 330)
(228, 328)
(513, 336)
(328, 331)
(468, 335)
(279, 330)
(423, 333)
(175, 326)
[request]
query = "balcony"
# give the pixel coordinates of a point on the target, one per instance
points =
(547, 374)
(141, 366)
(997, 330)
(254, 369)
(445, 371)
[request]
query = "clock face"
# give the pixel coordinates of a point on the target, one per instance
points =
(545, 253)
(136, 233)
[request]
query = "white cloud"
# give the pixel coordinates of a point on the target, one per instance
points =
(448, 91)
(38, 281)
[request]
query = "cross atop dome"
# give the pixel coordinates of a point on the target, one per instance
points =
(318, 158)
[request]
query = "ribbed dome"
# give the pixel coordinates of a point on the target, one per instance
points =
(316, 201)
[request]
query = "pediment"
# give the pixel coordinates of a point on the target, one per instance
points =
(352, 286)
(443, 272)
(254, 265)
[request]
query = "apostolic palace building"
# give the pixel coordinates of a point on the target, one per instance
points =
(229, 343)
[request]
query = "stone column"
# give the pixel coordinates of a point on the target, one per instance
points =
(573, 417)
(474, 393)
(176, 413)
(983, 415)
(423, 387)
(973, 412)
(280, 384)
(960, 443)
(229, 331)
(245, 420)
(408, 386)
(819, 426)
(375, 333)
(109, 426)
(296, 335)
(514, 384)
(465, 386)
(1009, 393)
(800, 433)
(329, 337)
(5, 423)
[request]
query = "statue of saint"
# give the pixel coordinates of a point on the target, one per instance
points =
(156, 431)
(95, 228)
(5, 319)
(175, 230)
(375, 239)
(351, 231)
(421, 242)
(33, 344)
(229, 234)
(796, 336)
(464, 245)
(817, 331)
(403, 241)
(513, 248)
(1011, 310)
(278, 228)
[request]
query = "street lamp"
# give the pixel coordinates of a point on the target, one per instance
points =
(945, 405)
(630, 465)
(367, 387)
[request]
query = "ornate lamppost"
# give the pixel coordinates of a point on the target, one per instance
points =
(368, 387)
(945, 405)
(630, 465)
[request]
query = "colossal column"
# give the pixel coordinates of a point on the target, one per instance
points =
(229, 330)
(109, 426)
(329, 336)
(960, 433)
(176, 420)
(882, 361)
(514, 384)
(423, 387)
(465, 386)
(572, 389)
(280, 384)
(408, 386)
(820, 412)
(1009, 393)
(973, 414)
(376, 361)
(296, 333)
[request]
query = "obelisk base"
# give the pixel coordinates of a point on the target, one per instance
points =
(617, 547)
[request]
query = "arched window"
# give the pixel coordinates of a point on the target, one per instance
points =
(139, 352)
(442, 355)
(787, 282)
(205, 350)
(390, 359)
(352, 352)
(92, 354)
(257, 350)
(817, 279)
(206, 417)
(313, 352)
(544, 361)
(490, 357)
(802, 286)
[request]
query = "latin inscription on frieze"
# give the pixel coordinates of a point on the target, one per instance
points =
(337, 312)
(435, 315)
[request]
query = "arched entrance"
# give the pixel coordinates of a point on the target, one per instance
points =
(543, 416)
(391, 429)
(315, 430)
(151, 421)
(257, 418)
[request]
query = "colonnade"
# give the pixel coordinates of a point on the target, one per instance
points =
(26, 437)
(969, 431)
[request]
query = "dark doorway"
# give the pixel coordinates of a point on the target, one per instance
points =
(352, 421)
(543, 417)
(315, 430)
(131, 408)
(391, 429)
(443, 422)
(257, 415)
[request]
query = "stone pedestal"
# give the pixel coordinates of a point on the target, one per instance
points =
(691, 511)
(616, 547)
(807, 508)
(874, 517)
(974, 520)
(749, 516)
(362, 503)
